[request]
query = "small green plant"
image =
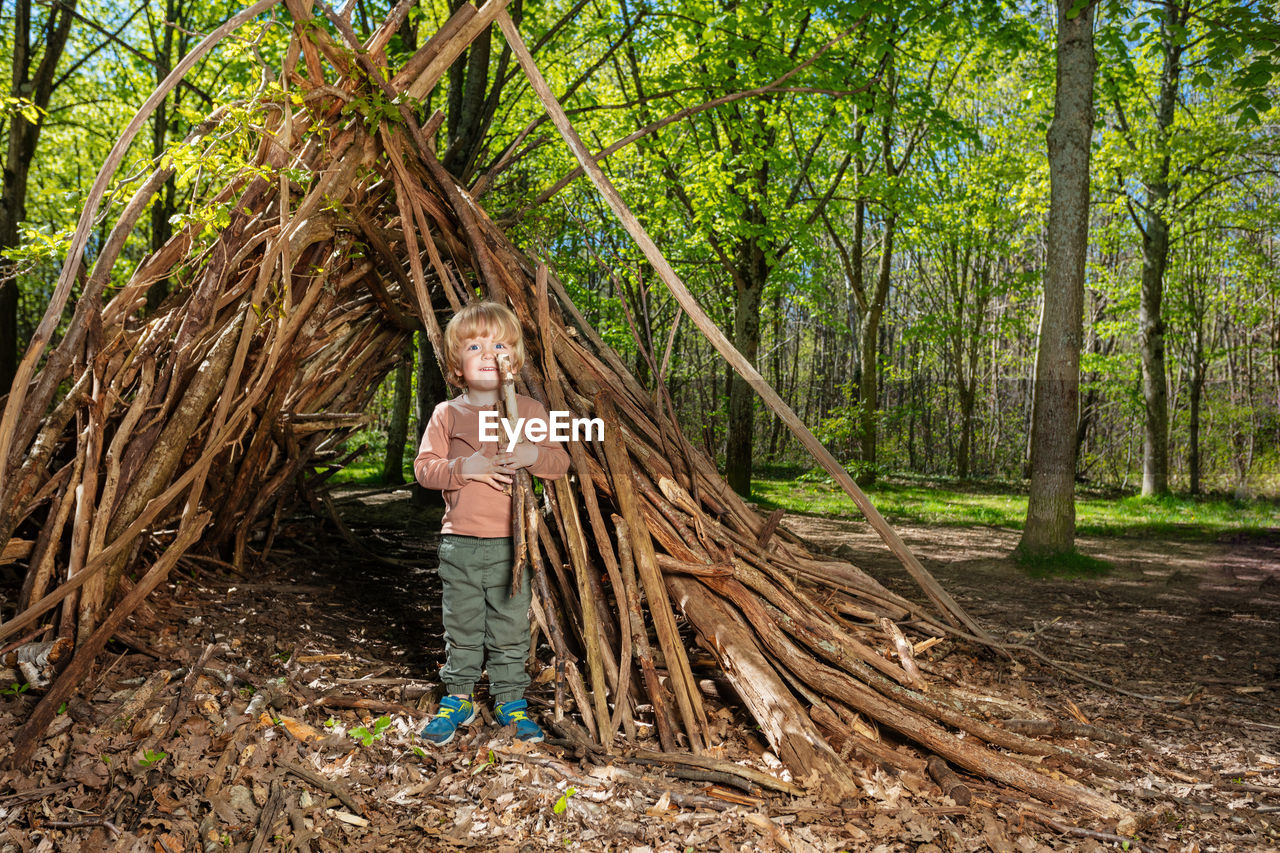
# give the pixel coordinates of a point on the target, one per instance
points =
(563, 802)
(419, 751)
(330, 723)
(490, 761)
(16, 689)
(367, 736)
(62, 709)
(152, 757)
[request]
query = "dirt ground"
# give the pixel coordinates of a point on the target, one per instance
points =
(297, 731)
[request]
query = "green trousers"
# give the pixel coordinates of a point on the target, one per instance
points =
(484, 625)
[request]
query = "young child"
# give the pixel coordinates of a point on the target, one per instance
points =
(483, 622)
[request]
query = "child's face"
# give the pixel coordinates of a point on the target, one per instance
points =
(478, 362)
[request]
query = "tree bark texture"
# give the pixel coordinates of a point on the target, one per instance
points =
(1155, 259)
(753, 272)
(1051, 513)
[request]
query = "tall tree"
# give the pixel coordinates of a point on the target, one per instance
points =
(905, 111)
(474, 92)
(35, 67)
(1155, 256)
(1051, 509)
(741, 174)
(1218, 44)
(170, 39)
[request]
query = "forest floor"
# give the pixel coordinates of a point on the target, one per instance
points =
(267, 753)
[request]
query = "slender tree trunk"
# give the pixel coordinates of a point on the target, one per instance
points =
(1193, 427)
(869, 347)
(24, 134)
(1155, 384)
(1051, 512)
(163, 206)
(966, 395)
(398, 431)
(913, 408)
(746, 337)
(1155, 259)
(472, 103)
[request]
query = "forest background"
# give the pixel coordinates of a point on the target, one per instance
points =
(856, 192)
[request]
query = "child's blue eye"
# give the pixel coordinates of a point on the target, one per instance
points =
(499, 345)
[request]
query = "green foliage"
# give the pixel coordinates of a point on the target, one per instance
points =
(956, 97)
(152, 757)
(563, 802)
(367, 736)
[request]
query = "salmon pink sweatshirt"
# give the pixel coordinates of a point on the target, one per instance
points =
(473, 508)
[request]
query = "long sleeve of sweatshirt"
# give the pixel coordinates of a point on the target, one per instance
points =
(433, 467)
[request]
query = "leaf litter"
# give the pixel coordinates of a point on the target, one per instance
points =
(299, 732)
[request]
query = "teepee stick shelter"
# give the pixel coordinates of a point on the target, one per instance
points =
(198, 425)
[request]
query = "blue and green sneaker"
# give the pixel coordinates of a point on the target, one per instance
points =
(515, 713)
(453, 712)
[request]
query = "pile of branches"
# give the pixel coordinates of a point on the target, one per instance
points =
(146, 435)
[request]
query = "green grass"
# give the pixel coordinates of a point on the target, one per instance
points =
(1005, 505)
(995, 504)
(1073, 565)
(365, 471)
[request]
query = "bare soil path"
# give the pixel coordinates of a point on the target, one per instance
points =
(329, 625)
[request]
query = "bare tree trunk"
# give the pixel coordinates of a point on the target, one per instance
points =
(1193, 442)
(1155, 258)
(869, 349)
(964, 452)
(162, 208)
(1155, 385)
(24, 134)
(739, 442)
(1051, 511)
(472, 103)
(398, 432)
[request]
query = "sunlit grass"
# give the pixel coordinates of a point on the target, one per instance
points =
(1005, 505)
(367, 471)
(1072, 565)
(993, 504)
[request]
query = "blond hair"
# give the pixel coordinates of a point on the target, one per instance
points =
(478, 320)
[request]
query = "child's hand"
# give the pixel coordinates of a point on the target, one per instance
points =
(522, 456)
(491, 470)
